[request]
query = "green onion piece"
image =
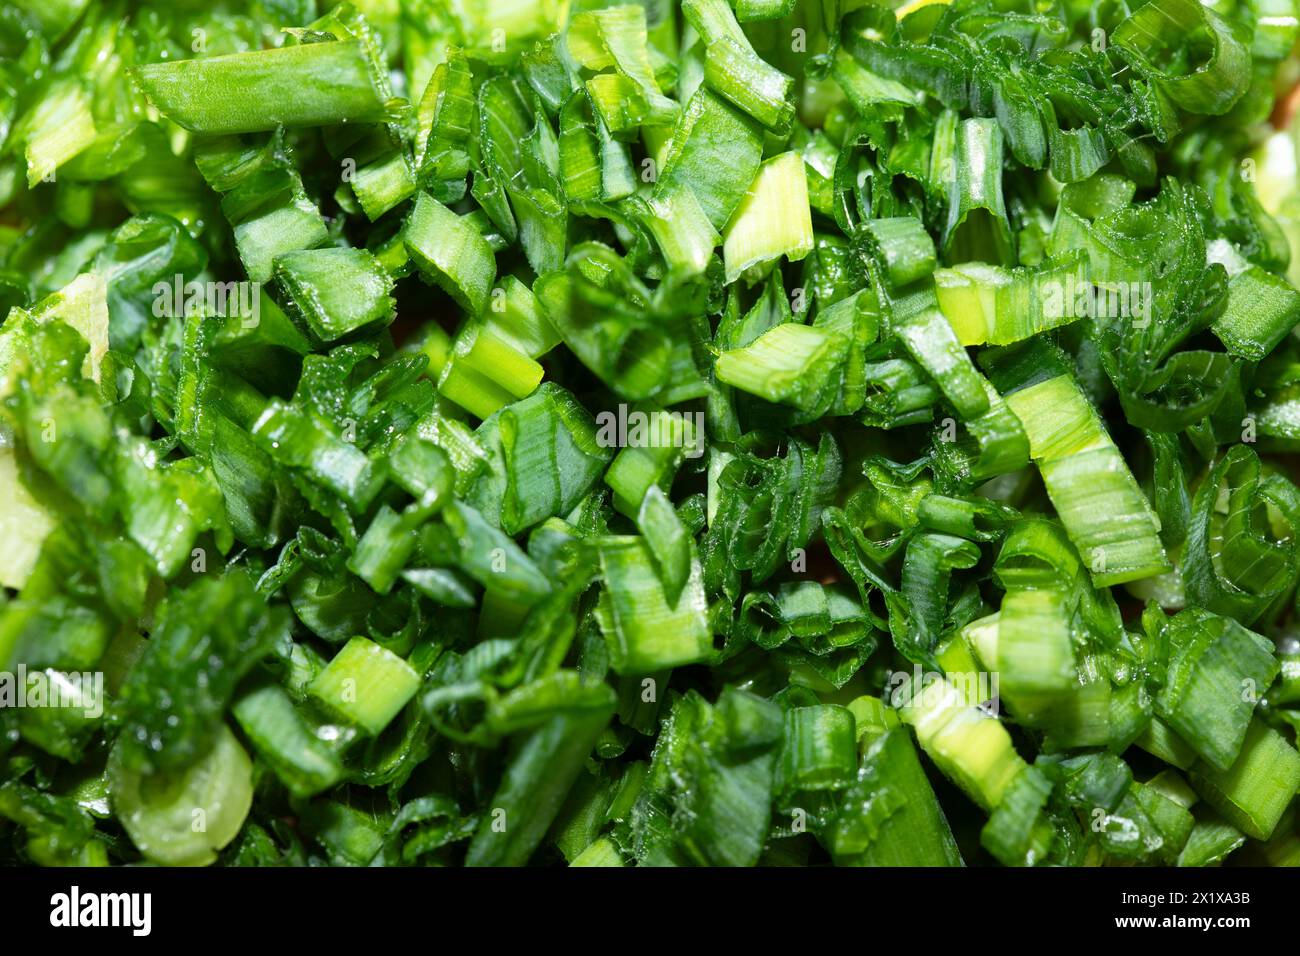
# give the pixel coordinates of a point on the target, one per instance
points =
(736, 73)
(889, 815)
(601, 852)
(59, 126)
(300, 439)
(487, 370)
(619, 103)
(1100, 504)
(667, 539)
(541, 771)
(793, 364)
(1217, 670)
(550, 455)
(927, 568)
(967, 297)
(303, 762)
(351, 836)
(988, 304)
(1035, 658)
(1003, 445)
(977, 229)
(205, 638)
(1240, 556)
(1170, 784)
(1253, 793)
(1210, 841)
(870, 92)
(750, 10)
(931, 341)
(1160, 740)
(716, 151)
(1017, 833)
(681, 227)
(615, 37)
(384, 177)
(897, 393)
(617, 178)
(450, 252)
(713, 20)
(310, 84)
(729, 752)
(389, 541)
(872, 718)
(457, 441)
(24, 524)
(649, 455)
(975, 519)
(1162, 28)
(643, 630)
(1260, 310)
(1169, 818)
(492, 558)
(580, 152)
(1283, 847)
(422, 469)
(442, 586)
(531, 704)
(518, 317)
(160, 811)
(1037, 554)
(773, 220)
(1276, 30)
(1076, 154)
(857, 319)
(971, 748)
(335, 291)
(1092, 780)
(366, 684)
(82, 304)
(903, 246)
(59, 828)
(446, 113)
(596, 306)
(583, 816)
(271, 214)
(820, 751)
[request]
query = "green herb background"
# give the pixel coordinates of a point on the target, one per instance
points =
(962, 335)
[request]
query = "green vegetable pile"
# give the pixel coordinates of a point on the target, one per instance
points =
(731, 432)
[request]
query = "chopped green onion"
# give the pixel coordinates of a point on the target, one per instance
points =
(450, 251)
(366, 684)
(644, 631)
(1253, 793)
(506, 432)
(1101, 506)
(309, 84)
(889, 815)
(1217, 670)
(791, 363)
(772, 220)
(335, 291)
(162, 812)
(278, 732)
